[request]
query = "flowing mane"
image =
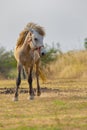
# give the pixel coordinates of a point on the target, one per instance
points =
(21, 38)
(24, 33)
(36, 27)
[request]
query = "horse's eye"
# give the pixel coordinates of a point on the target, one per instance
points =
(36, 39)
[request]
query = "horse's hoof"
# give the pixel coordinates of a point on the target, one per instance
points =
(38, 93)
(15, 99)
(31, 97)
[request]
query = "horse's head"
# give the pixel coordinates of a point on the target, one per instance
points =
(36, 41)
(35, 37)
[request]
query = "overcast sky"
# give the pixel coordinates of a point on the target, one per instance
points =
(65, 21)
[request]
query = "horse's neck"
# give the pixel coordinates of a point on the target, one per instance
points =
(26, 48)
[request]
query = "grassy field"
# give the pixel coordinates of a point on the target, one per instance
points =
(62, 109)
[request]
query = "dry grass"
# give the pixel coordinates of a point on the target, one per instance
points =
(70, 65)
(62, 110)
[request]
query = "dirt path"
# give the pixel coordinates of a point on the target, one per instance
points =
(57, 87)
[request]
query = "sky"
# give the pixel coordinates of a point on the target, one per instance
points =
(65, 21)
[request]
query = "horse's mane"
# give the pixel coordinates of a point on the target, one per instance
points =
(36, 27)
(21, 38)
(24, 33)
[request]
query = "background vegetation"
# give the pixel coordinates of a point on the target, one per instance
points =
(8, 62)
(72, 64)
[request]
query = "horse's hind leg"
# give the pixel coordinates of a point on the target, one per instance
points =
(31, 91)
(23, 72)
(18, 81)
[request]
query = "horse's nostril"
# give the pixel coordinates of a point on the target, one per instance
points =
(43, 53)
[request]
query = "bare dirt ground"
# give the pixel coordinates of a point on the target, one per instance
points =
(54, 87)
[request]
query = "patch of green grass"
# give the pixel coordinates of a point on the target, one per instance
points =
(1, 125)
(59, 102)
(61, 105)
(36, 128)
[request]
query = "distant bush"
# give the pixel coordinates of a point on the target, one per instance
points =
(85, 43)
(51, 54)
(7, 62)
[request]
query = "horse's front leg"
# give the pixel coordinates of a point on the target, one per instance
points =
(31, 91)
(18, 81)
(37, 78)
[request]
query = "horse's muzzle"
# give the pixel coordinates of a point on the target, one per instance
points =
(42, 51)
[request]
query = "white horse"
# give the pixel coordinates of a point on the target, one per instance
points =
(27, 54)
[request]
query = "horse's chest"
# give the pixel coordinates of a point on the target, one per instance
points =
(26, 59)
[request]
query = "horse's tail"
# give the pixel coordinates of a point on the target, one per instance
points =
(42, 75)
(23, 73)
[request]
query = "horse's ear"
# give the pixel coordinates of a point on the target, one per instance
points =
(31, 30)
(30, 34)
